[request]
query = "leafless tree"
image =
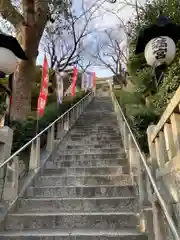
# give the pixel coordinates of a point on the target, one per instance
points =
(111, 54)
(65, 41)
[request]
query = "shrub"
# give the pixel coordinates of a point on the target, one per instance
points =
(138, 115)
(25, 131)
(139, 118)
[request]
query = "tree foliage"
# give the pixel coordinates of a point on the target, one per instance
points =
(155, 95)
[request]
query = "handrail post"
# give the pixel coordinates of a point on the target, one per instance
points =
(59, 129)
(11, 181)
(34, 161)
(152, 149)
(159, 230)
(125, 137)
(131, 157)
(50, 139)
(161, 153)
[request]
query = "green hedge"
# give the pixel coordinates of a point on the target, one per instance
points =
(138, 115)
(25, 131)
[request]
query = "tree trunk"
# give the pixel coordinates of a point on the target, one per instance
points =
(24, 75)
(30, 34)
(22, 85)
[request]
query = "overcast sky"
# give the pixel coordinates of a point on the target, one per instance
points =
(105, 20)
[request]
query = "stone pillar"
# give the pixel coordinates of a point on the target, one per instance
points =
(10, 190)
(6, 137)
(50, 139)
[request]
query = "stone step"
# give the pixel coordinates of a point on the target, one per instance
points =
(111, 204)
(95, 138)
(98, 110)
(85, 142)
(100, 106)
(99, 103)
(81, 191)
(64, 221)
(89, 121)
(98, 135)
(95, 132)
(83, 171)
(90, 156)
(85, 180)
(55, 180)
(99, 117)
(95, 129)
(74, 234)
(86, 163)
(93, 124)
(90, 151)
(107, 127)
(90, 147)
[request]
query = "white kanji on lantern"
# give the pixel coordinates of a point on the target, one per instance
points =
(160, 50)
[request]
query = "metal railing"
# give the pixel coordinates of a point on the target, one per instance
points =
(35, 154)
(134, 153)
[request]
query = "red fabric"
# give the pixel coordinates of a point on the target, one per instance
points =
(10, 100)
(75, 73)
(44, 88)
(94, 79)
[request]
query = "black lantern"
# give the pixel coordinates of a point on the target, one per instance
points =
(158, 42)
(10, 52)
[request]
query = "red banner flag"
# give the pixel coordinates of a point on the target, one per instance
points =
(44, 88)
(75, 73)
(94, 80)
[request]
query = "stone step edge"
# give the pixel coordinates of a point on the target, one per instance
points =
(85, 175)
(84, 186)
(62, 155)
(97, 159)
(75, 232)
(86, 154)
(78, 130)
(98, 138)
(44, 214)
(92, 149)
(103, 127)
(95, 133)
(85, 146)
(90, 167)
(75, 198)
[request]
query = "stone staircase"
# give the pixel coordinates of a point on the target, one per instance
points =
(83, 191)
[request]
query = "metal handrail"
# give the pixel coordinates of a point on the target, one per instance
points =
(161, 201)
(43, 131)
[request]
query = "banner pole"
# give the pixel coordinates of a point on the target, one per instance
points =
(37, 122)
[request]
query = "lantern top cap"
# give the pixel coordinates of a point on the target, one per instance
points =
(162, 27)
(11, 43)
(163, 20)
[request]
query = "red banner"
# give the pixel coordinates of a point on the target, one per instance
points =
(75, 73)
(94, 80)
(44, 88)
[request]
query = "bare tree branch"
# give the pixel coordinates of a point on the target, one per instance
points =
(70, 35)
(110, 54)
(10, 13)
